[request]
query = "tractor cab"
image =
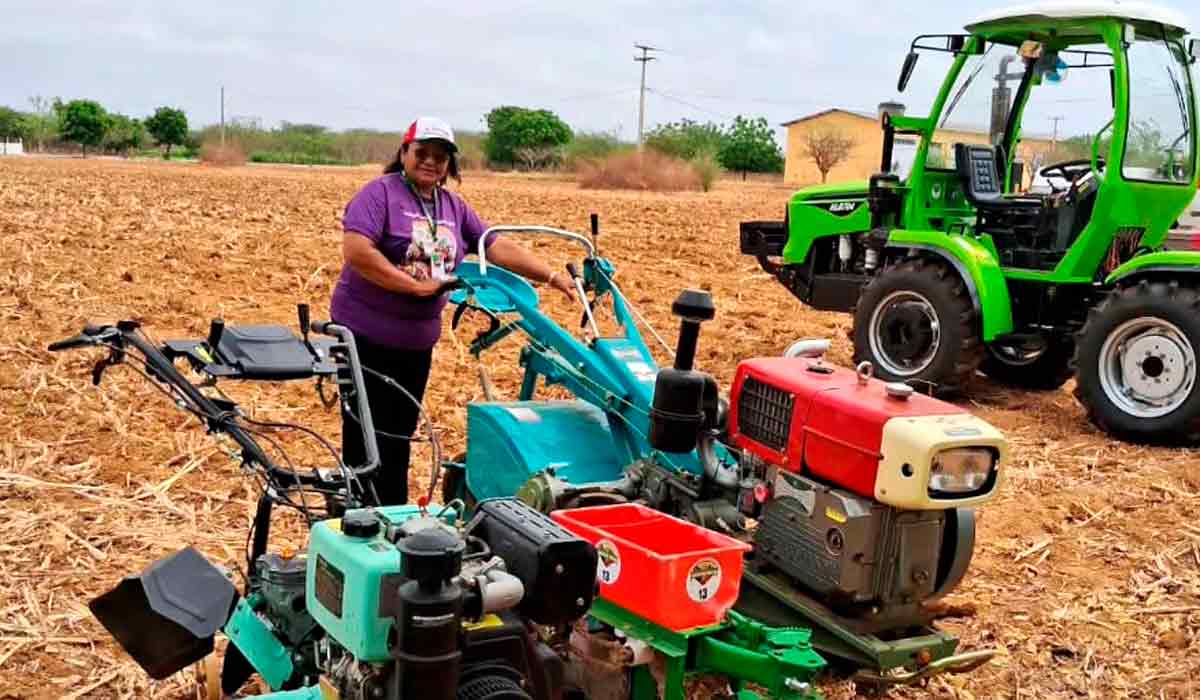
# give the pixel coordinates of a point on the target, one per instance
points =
(1081, 107)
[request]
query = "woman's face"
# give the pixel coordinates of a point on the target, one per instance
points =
(426, 162)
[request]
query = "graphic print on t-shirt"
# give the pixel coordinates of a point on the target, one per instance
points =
(428, 257)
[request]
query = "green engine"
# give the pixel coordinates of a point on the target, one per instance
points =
(388, 603)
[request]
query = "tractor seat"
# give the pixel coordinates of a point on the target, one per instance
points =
(1020, 227)
(982, 182)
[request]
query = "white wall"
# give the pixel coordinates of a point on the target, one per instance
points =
(11, 148)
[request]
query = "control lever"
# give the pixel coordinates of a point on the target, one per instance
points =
(302, 315)
(587, 307)
(215, 330)
(596, 234)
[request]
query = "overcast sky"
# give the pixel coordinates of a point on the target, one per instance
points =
(379, 64)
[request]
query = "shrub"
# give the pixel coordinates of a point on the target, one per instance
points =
(214, 153)
(294, 158)
(648, 170)
(470, 150)
(685, 139)
(708, 167)
(586, 147)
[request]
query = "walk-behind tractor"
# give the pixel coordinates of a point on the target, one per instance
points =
(414, 602)
(854, 494)
(948, 267)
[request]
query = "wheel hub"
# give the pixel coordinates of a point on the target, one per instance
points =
(1147, 367)
(1153, 366)
(905, 333)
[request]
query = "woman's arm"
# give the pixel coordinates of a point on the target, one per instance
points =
(515, 257)
(361, 254)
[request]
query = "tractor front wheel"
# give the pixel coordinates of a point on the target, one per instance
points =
(1042, 364)
(1136, 363)
(915, 323)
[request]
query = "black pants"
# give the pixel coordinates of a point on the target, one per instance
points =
(391, 411)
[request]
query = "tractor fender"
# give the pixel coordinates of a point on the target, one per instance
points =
(1161, 263)
(976, 265)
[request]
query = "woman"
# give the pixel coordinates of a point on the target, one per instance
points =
(404, 235)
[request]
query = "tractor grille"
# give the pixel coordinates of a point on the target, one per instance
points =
(765, 414)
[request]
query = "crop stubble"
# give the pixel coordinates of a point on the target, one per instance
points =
(1087, 571)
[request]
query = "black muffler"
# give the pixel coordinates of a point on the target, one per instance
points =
(166, 617)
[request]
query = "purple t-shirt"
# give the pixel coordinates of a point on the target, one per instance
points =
(388, 212)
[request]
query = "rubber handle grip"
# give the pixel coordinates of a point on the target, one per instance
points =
(69, 343)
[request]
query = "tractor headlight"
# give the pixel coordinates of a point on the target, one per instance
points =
(962, 471)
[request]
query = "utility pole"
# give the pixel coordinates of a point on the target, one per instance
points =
(643, 59)
(222, 115)
(1054, 138)
(1002, 100)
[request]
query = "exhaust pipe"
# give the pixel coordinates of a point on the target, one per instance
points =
(808, 348)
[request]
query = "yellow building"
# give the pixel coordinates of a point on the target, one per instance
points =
(867, 142)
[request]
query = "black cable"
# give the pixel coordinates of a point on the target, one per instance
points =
(390, 436)
(436, 469)
(347, 473)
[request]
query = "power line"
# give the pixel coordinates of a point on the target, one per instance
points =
(685, 103)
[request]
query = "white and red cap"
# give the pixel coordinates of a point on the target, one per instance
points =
(430, 129)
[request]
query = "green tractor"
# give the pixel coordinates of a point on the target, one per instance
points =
(953, 263)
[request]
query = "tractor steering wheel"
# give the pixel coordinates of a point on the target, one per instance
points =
(1069, 170)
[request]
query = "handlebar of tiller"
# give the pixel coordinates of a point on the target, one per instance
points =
(115, 337)
(543, 230)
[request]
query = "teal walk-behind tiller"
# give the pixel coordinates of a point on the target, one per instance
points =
(397, 602)
(855, 495)
(410, 602)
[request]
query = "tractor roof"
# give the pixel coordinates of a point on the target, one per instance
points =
(1071, 17)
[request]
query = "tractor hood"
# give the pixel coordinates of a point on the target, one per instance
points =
(854, 189)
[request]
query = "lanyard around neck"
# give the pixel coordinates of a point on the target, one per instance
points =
(431, 218)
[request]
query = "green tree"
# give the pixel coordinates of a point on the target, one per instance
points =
(83, 122)
(169, 127)
(124, 134)
(41, 125)
(749, 146)
(516, 131)
(12, 123)
(686, 139)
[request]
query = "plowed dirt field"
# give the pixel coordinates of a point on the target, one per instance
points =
(1087, 571)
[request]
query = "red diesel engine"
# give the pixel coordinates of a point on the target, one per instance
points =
(867, 485)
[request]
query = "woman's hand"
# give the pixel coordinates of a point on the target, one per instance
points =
(563, 283)
(429, 287)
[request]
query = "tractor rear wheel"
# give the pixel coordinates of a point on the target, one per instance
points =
(1136, 363)
(1043, 365)
(915, 323)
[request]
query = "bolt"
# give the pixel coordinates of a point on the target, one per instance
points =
(579, 602)
(797, 685)
(558, 569)
(920, 576)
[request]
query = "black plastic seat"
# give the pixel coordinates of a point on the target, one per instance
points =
(982, 183)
